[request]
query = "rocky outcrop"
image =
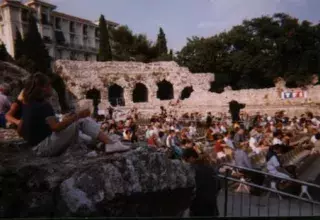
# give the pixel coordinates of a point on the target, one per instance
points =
(13, 76)
(142, 182)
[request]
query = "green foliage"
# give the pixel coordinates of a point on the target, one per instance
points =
(128, 46)
(105, 53)
(161, 44)
(254, 53)
(4, 55)
(18, 46)
(35, 50)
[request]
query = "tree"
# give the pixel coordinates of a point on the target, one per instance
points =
(18, 46)
(161, 43)
(128, 46)
(4, 55)
(253, 54)
(35, 49)
(105, 53)
(171, 54)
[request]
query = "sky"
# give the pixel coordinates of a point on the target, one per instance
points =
(181, 19)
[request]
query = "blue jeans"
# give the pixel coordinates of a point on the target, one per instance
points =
(3, 121)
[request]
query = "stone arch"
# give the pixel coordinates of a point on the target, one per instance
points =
(140, 93)
(186, 92)
(165, 90)
(116, 96)
(95, 95)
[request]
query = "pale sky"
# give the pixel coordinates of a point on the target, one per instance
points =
(185, 18)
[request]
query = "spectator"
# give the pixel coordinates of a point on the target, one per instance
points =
(241, 158)
(171, 144)
(4, 104)
(277, 138)
(273, 163)
(207, 186)
(239, 138)
(228, 140)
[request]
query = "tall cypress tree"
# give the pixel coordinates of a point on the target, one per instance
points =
(18, 46)
(105, 53)
(35, 49)
(162, 43)
(171, 54)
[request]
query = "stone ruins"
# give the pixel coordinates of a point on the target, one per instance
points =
(148, 86)
(129, 83)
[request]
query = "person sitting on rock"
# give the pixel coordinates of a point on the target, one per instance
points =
(49, 136)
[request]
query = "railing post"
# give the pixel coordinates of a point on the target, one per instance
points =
(226, 191)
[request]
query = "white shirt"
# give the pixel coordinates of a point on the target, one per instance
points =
(272, 165)
(253, 145)
(148, 134)
(313, 139)
(315, 122)
(223, 129)
(276, 141)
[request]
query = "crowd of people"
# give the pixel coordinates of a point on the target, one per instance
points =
(192, 137)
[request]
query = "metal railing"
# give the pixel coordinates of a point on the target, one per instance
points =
(261, 203)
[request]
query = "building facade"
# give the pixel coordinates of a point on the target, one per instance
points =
(66, 36)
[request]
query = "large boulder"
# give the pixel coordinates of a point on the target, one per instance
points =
(14, 76)
(141, 182)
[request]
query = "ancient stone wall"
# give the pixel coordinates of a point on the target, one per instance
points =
(81, 77)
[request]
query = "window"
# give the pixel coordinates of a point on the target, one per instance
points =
(44, 18)
(85, 30)
(24, 15)
(72, 27)
(97, 32)
(60, 37)
(58, 24)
